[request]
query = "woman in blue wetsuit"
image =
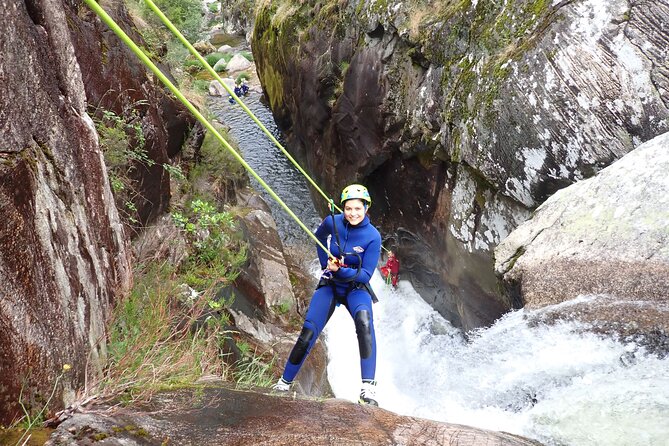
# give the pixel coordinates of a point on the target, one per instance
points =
(356, 247)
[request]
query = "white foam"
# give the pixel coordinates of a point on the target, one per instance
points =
(559, 384)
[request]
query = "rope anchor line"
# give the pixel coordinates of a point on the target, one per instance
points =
(213, 72)
(102, 14)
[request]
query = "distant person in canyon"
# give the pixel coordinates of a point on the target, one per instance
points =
(241, 89)
(391, 270)
(356, 247)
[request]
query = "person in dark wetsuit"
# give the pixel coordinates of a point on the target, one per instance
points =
(356, 245)
(238, 93)
(240, 90)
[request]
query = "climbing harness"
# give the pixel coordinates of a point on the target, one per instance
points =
(352, 284)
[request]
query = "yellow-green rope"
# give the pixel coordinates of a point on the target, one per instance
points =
(213, 72)
(205, 64)
(146, 61)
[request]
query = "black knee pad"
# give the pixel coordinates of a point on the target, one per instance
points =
(301, 346)
(364, 330)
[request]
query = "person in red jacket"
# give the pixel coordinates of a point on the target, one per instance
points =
(391, 270)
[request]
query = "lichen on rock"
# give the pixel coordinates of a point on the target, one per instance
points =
(605, 236)
(528, 95)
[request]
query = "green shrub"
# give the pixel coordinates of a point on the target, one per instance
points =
(162, 45)
(191, 63)
(155, 341)
(163, 335)
(201, 85)
(186, 15)
(253, 371)
(217, 250)
(220, 67)
(247, 55)
(123, 145)
(213, 58)
(243, 76)
(217, 164)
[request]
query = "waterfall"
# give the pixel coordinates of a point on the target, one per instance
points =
(558, 383)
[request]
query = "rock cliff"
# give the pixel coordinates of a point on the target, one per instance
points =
(605, 238)
(462, 117)
(64, 255)
(116, 82)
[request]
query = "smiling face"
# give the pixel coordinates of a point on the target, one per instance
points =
(354, 211)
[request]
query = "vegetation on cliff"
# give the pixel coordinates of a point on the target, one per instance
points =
(174, 327)
(470, 43)
(171, 327)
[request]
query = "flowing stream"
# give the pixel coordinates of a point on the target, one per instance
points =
(559, 384)
(270, 164)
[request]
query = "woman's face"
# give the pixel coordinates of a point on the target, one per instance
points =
(354, 211)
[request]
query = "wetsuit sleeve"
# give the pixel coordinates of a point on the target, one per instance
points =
(322, 233)
(370, 258)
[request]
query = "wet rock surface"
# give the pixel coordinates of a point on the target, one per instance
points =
(462, 118)
(63, 251)
(223, 416)
(264, 280)
(607, 236)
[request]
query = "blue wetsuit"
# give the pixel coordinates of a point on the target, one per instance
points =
(346, 286)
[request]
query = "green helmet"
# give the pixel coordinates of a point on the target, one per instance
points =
(356, 191)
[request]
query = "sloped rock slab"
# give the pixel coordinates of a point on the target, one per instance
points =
(221, 416)
(607, 237)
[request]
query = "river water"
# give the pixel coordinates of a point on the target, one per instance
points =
(559, 384)
(270, 164)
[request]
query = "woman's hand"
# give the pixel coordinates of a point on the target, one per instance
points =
(333, 264)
